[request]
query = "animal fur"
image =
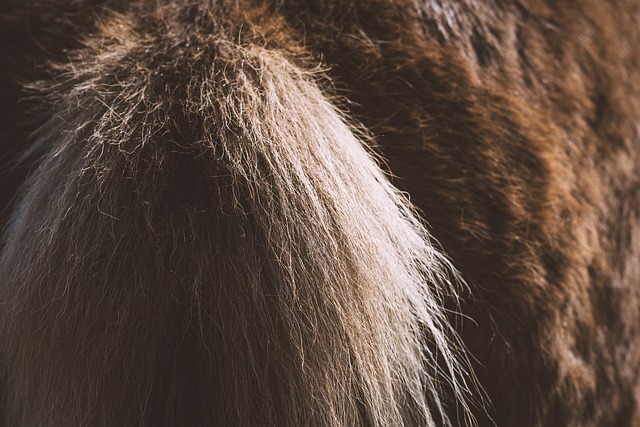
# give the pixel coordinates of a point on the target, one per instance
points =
(208, 234)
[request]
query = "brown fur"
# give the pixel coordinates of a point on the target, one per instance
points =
(205, 238)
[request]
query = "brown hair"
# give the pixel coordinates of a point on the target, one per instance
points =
(208, 241)
(209, 235)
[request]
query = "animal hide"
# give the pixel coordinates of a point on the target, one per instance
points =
(323, 213)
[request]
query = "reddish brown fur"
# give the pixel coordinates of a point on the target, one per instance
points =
(512, 125)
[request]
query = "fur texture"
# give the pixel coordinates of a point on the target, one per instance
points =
(207, 235)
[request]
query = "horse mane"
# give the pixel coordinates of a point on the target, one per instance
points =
(218, 213)
(208, 240)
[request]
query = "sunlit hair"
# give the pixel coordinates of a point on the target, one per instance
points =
(208, 241)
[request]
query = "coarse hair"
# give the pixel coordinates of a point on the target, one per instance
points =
(209, 241)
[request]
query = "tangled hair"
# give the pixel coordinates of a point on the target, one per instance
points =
(204, 232)
(207, 241)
